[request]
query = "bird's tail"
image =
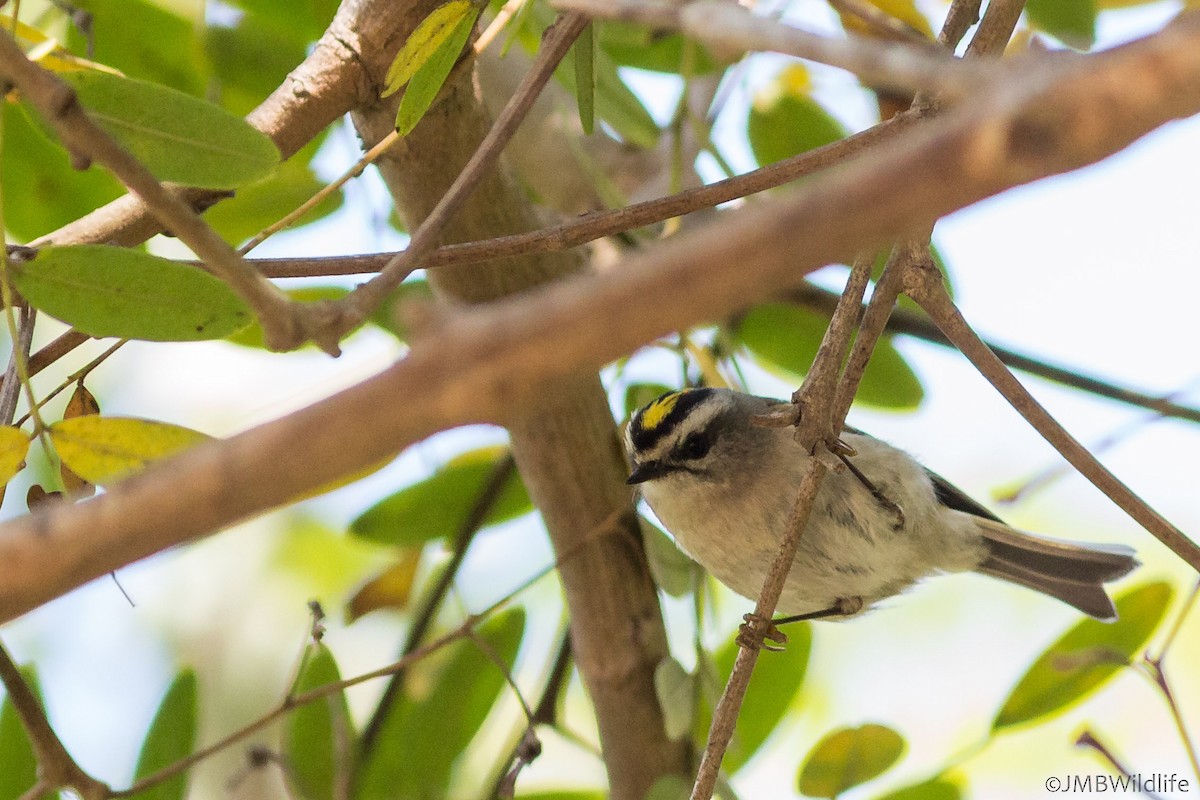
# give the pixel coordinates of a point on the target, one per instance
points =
(1071, 572)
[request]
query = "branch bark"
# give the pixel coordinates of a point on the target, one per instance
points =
(565, 443)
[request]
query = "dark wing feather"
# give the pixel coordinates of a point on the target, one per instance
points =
(951, 496)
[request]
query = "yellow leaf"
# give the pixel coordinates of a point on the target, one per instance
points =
(389, 589)
(903, 10)
(424, 41)
(105, 449)
(14, 444)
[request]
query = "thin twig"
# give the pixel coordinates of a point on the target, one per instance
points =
(10, 393)
(56, 768)
(598, 224)
(925, 286)
(911, 323)
(359, 304)
(726, 713)
(1088, 739)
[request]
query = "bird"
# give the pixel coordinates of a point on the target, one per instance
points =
(724, 487)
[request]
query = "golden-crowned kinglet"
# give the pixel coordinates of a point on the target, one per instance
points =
(725, 487)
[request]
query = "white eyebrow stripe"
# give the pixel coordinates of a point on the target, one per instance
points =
(698, 419)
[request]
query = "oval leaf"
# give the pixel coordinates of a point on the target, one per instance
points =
(785, 120)
(317, 735)
(20, 770)
(172, 736)
(177, 137)
(105, 449)
(849, 757)
(784, 338)
(112, 291)
(14, 445)
(427, 729)
(432, 32)
(675, 688)
(389, 589)
(1072, 22)
(1085, 657)
(438, 506)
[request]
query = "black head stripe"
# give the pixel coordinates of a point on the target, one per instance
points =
(659, 417)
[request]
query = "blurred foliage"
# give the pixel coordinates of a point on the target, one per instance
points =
(172, 736)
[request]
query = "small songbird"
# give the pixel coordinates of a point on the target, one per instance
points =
(724, 487)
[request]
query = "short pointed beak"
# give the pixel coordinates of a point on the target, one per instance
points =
(646, 471)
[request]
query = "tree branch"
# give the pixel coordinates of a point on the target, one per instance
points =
(493, 362)
(925, 286)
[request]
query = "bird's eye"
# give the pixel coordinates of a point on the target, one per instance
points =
(694, 446)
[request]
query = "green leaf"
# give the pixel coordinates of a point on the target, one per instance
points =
(423, 43)
(265, 202)
(114, 291)
(785, 120)
(438, 506)
(639, 394)
(584, 54)
(104, 450)
(777, 682)
(673, 571)
(1073, 22)
(676, 692)
(448, 697)
(45, 192)
(631, 44)
(784, 339)
(1085, 657)
(670, 787)
(306, 18)
(172, 736)
(176, 136)
(317, 735)
(19, 773)
(252, 335)
(252, 58)
(617, 105)
(566, 794)
(848, 757)
(384, 314)
(431, 73)
(144, 40)
(932, 789)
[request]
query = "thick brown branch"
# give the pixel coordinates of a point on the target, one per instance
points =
(489, 363)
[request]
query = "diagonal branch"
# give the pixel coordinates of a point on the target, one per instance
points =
(925, 286)
(492, 362)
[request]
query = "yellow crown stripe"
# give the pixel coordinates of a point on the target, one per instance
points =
(656, 412)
